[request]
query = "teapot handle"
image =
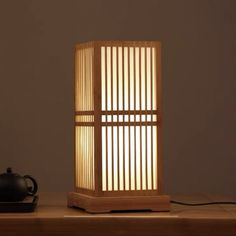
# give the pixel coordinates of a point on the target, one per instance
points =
(32, 191)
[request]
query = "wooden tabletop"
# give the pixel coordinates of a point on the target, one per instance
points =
(52, 217)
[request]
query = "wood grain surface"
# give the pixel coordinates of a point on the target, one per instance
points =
(52, 217)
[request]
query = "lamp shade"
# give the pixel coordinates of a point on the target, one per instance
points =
(118, 127)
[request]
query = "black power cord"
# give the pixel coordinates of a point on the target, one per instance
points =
(201, 204)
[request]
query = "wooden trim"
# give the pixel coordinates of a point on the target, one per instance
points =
(160, 125)
(85, 123)
(121, 193)
(117, 43)
(97, 119)
(119, 123)
(85, 191)
(106, 204)
(118, 112)
(84, 113)
(84, 45)
(74, 127)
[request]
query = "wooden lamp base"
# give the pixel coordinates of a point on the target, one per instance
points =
(106, 204)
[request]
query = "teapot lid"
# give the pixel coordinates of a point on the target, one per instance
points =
(8, 173)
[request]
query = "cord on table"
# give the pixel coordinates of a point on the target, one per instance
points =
(202, 204)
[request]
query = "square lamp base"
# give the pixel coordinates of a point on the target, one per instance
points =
(93, 204)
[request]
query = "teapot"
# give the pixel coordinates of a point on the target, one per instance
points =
(14, 187)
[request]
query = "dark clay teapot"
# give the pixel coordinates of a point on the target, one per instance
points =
(14, 187)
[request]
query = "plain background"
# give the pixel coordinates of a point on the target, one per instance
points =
(37, 39)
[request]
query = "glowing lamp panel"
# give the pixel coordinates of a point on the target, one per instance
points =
(84, 131)
(129, 118)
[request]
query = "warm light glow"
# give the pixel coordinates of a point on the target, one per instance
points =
(84, 135)
(128, 83)
(128, 125)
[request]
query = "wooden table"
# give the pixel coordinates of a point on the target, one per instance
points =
(54, 218)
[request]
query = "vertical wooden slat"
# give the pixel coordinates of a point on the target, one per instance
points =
(151, 85)
(93, 168)
(79, 131)
(90, 92)
(104, 184)
(118, 133)
(135, 144)
(78, 134)
(86, 128)
(77, 156)
(89, 170)
(104, 150)
(86, 157)
(90, 157)
(106, 88)
(84, 133)
(97, 118)
(82, 105)
(91, 108)
(89, 128)
(86, 108)
(76, 73)
(112, 128)
(159, 130)
(140, 106)
(93, 92)
(82, 81)
(123, 93)
(128, 61)
(81, 158)
(146, 151)
(87, 92)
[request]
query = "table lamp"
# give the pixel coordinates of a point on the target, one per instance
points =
(118, 127)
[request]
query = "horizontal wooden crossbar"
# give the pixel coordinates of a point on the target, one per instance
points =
(128, 123)
(84, 113)
(117, 43)
(132, 112)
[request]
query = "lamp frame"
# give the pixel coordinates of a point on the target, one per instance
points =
(97, 200)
